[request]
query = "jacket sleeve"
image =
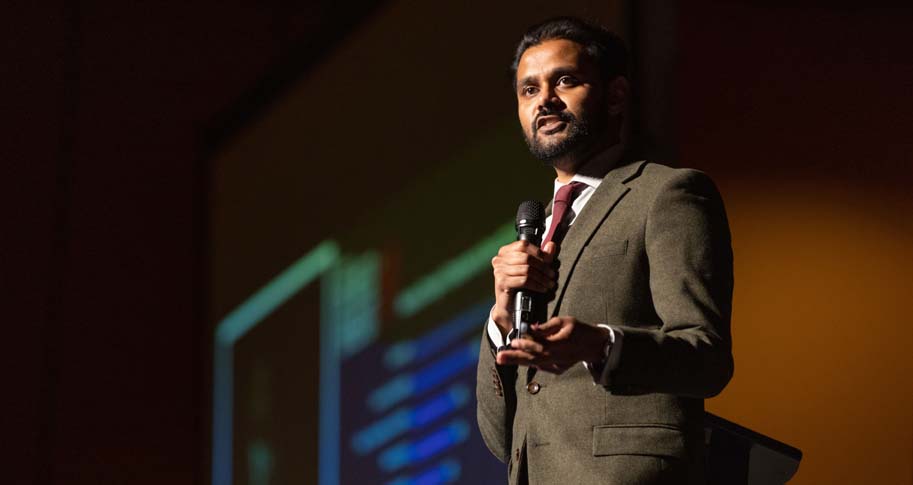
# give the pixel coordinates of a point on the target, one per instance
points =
(689, 253)
(496, 400)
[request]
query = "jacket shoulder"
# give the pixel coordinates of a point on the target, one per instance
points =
(654, 172)
(656, 177)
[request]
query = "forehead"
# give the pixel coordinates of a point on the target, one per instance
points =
(550, 55)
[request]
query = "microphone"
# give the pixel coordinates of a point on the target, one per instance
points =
(529, 306)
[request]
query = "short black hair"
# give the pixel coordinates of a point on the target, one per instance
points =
(603, 45)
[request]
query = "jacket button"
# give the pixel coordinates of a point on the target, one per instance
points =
(532, 387)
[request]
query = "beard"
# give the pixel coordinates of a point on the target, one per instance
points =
(579, 137)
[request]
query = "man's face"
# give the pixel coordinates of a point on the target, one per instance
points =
(560, 101)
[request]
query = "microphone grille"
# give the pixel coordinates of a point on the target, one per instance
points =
(531, 210)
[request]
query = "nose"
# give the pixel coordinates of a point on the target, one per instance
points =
(548, 100)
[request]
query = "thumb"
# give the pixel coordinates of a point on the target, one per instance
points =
(550, 249)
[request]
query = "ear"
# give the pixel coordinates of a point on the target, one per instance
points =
(617, 96)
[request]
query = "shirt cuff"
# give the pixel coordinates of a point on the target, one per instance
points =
(494, 334)
(602, 371)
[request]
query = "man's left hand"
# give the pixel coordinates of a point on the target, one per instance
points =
(556, 345)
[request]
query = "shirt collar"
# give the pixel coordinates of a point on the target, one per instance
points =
(612, 154)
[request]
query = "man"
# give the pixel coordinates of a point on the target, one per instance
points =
(638, 269)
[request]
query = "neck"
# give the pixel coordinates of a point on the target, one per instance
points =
(595, 162)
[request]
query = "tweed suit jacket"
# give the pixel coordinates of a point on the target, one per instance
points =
(649, 254)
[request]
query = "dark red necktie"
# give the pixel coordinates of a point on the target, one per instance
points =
(563, 200)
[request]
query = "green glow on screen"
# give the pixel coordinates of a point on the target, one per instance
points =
(452, 274)
(237, 323)
(276, 292)
(349, 301)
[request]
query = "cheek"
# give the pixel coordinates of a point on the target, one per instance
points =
(525, 120)
(584, 103)
(580, 106)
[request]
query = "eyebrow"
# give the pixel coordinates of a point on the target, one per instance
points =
(556, 72)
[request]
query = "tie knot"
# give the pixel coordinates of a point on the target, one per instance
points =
(569, 191)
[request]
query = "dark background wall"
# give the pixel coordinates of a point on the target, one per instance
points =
(106, 108)
(111, 112)
(802, 114)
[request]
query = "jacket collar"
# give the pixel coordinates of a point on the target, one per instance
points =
(612, 189)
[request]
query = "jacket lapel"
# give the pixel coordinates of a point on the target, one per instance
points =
(604, 199)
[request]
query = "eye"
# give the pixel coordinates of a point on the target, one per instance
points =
(567, 81)
(529, 90)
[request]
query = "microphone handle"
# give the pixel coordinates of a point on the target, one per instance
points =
(529, 306)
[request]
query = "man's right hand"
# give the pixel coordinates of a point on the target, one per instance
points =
(520, 265)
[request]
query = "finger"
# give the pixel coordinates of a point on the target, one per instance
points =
(526, 272)
(528, 345)
(552, 325)
(522, 262)
(508, 248)
(542, 335)
(562, 333)
(525, 259)
(514, 262)
(551, 250)
(514, 357)
(522, 247)
(523, 282)
(531, 249)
